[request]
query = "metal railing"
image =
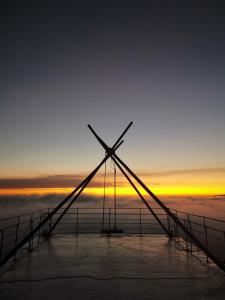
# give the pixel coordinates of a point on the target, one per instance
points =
(210, 231)
(14, 229)
(89, 220)
(140, 221)
(75, 221)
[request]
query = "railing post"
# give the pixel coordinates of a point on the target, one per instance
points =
(140, 223)
(75, 220)
(77, 224)
(1, 246)
(43, 228)
(30, 247)
(178, 236)
(206, 238)
(175, 229)
(39, 231)
(49, 222)
(16, 238)
(190, 229)
(109, 220)
(168, 223)
(185, 237)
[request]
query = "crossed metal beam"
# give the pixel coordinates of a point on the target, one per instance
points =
(120, 164)
(76, 192)
(107, 149)
(110, 152)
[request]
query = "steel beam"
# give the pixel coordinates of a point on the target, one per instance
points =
(81, 186)
(164, 207)
(175, 219)
(107, 149)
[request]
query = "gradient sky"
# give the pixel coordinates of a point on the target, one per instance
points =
(160, 64)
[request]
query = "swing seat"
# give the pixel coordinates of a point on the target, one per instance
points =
(112, 230)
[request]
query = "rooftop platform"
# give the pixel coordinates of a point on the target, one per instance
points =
(100, 267)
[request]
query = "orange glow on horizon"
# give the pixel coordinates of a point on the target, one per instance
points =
(35, 191)
(178, 183)
(122, 191)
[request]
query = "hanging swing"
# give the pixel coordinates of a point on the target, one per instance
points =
(114, 229)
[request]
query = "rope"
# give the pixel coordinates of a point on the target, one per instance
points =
(114, 166)
(109, 278)
(104, 196)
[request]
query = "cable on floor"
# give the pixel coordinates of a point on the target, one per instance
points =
(109, 278)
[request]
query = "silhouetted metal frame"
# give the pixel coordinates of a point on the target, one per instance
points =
(78, 194)
(77, 190)
(176, 220)
(109, 154)
(132, 184)
(84, 183)
(51, 214)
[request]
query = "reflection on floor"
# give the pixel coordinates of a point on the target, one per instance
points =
(95, 267)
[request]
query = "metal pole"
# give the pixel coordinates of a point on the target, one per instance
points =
(178, 236)
(143, 199)
(114, 196)
(176, 220)
(107, 149)
(30, 234)
(39, 231)
(17, 229)
(109, 221)
(206, 238)
(168, 223)
(2, 237)
(77, 222)
(186, 237)
(164, 207)
(175, 228)
(122, 135)
(140, 223)
(88, 179)
(189, 222)
(30, 247)
(103, 205)
(116, 143)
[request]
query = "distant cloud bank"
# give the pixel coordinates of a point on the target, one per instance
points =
(68, 181)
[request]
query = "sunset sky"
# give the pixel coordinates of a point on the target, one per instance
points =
(160, 64)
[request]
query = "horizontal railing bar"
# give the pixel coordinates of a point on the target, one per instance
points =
(215, 229)
(190, 214)
(107, 213)
(100, 209)
(131, 220)
(97, 232)
(202, 225)
(17, 216)
(118, 224)
(146, 231)
(86, 228)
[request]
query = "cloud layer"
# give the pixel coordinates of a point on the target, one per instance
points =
(68, 181)
(15, 205)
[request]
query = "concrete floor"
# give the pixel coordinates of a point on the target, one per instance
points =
(161, 271)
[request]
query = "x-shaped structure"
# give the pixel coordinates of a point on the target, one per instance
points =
(72, 197)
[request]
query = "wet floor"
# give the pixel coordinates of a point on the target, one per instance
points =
(95, 267)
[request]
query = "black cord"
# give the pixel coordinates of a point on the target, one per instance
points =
(104, 196)
(110, 278)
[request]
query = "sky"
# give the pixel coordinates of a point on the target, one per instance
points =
(66, 64)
